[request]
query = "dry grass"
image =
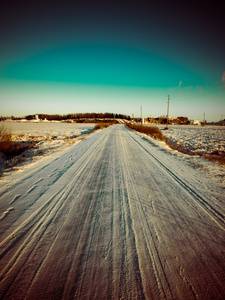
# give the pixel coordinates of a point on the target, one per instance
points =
(102, 125)
(6, 142)
(152, 131)
(219, 158)
(9, 147)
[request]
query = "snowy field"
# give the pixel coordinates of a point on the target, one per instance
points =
(197, 139)
(47, 136)
(46, 130)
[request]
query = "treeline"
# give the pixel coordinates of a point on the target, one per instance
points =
(12, 118)
(78, 116)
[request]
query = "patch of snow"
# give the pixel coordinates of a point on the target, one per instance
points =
(47, 137)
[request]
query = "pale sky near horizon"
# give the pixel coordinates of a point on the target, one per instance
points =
(71, 57)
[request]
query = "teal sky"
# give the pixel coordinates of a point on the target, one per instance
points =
(98, 57)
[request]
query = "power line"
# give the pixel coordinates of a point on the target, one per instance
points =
(168, 111)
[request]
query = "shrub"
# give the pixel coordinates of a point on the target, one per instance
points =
(102, 125)
(9, 147)
(152, 131)
(6, 143)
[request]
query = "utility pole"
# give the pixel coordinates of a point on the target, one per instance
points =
(203, 123)
(141, 116)
(168, 112)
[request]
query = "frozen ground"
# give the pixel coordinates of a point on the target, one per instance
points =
(47, 136)
(113, 217)
(197, 139)
(54, 131)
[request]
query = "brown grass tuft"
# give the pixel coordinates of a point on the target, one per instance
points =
(9, 147)
(152, 131)
(102, 125)
(6, 143)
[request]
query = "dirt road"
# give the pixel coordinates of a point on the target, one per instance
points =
(112, 217)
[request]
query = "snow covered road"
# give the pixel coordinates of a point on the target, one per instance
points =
(112, 217)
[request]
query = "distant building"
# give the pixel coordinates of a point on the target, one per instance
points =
(36, 117)
(195, 122)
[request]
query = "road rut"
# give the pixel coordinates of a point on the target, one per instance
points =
(112, 217)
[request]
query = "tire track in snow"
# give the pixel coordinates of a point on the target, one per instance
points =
(15, 265)
(131, 248)
(81, 269)
(163, 288)
(216, 215)
(5, 213)
(7, 243)
(15, 199)
(36, 198)
(104, 229)
(35, 221)
(183, 222)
